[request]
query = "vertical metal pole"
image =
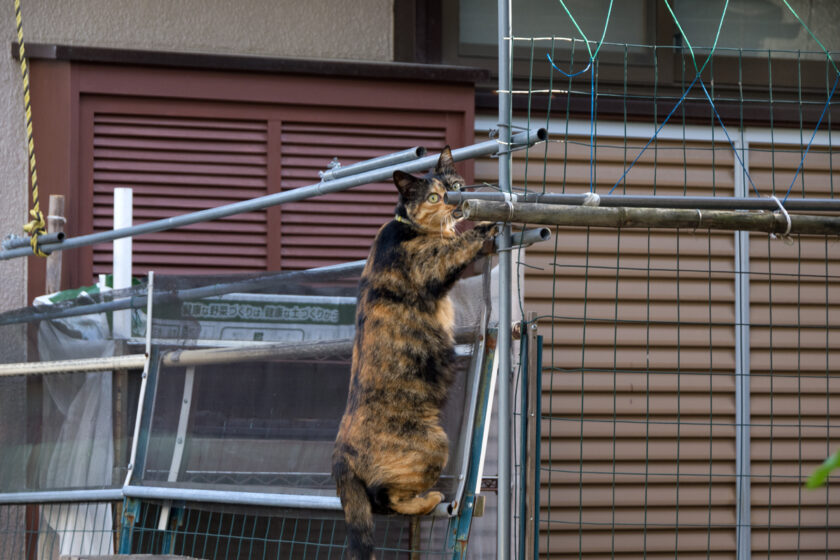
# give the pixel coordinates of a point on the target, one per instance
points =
(742, 371)
(503, 540)
(55, 223)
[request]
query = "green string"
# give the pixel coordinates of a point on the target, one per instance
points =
(814, 37)
(582, 34)
(685, 37)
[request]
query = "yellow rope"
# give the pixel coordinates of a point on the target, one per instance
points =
(36, 226)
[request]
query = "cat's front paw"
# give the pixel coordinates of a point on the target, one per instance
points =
(487, 230)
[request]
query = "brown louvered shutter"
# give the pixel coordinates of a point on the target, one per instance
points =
(638, 437)
(339, 227)
(794, 354)
(177, 165)
(192, 138)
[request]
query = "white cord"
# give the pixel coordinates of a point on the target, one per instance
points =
(786, 215)
(592, 199)
(510, 198)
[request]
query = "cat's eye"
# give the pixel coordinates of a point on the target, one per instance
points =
(433, 198)
(456, 186)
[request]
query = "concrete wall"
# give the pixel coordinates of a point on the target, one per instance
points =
(337, 29)
(360, 30)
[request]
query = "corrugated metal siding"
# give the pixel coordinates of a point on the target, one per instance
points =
(795, 385)
(638, 450)
(178, 165)
(339, 227)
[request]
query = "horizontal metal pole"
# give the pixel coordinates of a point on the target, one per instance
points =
(317, 349)
(528, 237)
(138, 300)
(301, 501)
(521, 139)
(62, 496)
(130, 361)
(727, 220)
(375, 163)
(296, 501)
(633, 201)
(15, 242)
(297, 351)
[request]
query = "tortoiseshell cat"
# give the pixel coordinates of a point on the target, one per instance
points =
(391, 448)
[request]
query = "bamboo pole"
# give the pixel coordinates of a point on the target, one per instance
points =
(130, 361)
(728, 220)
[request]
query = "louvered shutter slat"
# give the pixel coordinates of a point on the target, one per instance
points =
(339, 227)
(175, 166)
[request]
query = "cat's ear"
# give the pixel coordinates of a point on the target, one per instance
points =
(445, 162)
(405, 183)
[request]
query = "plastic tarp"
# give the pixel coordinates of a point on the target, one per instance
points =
(78, 423)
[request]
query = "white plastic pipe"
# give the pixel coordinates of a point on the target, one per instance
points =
(122, 250)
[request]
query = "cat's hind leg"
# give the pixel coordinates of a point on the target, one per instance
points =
(408, 503)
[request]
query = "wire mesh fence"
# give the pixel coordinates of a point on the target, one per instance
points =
(226, 421)
(251, 534)
(688, 374)
(58, 530)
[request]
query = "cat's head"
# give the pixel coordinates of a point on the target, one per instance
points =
(421, 198)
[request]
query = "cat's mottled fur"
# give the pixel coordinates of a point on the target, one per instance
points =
(390, 448)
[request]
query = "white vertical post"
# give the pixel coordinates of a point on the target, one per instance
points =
(742, 368)
(122, 257)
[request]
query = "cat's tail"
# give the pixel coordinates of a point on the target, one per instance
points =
(359, 518)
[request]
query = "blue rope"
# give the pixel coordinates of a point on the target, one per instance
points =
(592, 129)
(655, 134)
(591, 67)
(802, 162)
(548, 56)
(726, 133)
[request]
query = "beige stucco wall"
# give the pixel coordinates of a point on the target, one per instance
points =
(360, 29)
(335, 29)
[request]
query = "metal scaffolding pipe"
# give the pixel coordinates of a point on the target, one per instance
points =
(634, 201)
(297, 351)
(503, 243)
(315, 350)
(63, 496)
(727, 220)
(522, 139)
(138, 300)
(296, 501)
(17, 242)
(528, 237)
(382, 161)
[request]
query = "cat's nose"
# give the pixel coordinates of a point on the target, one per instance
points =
(457, 214)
